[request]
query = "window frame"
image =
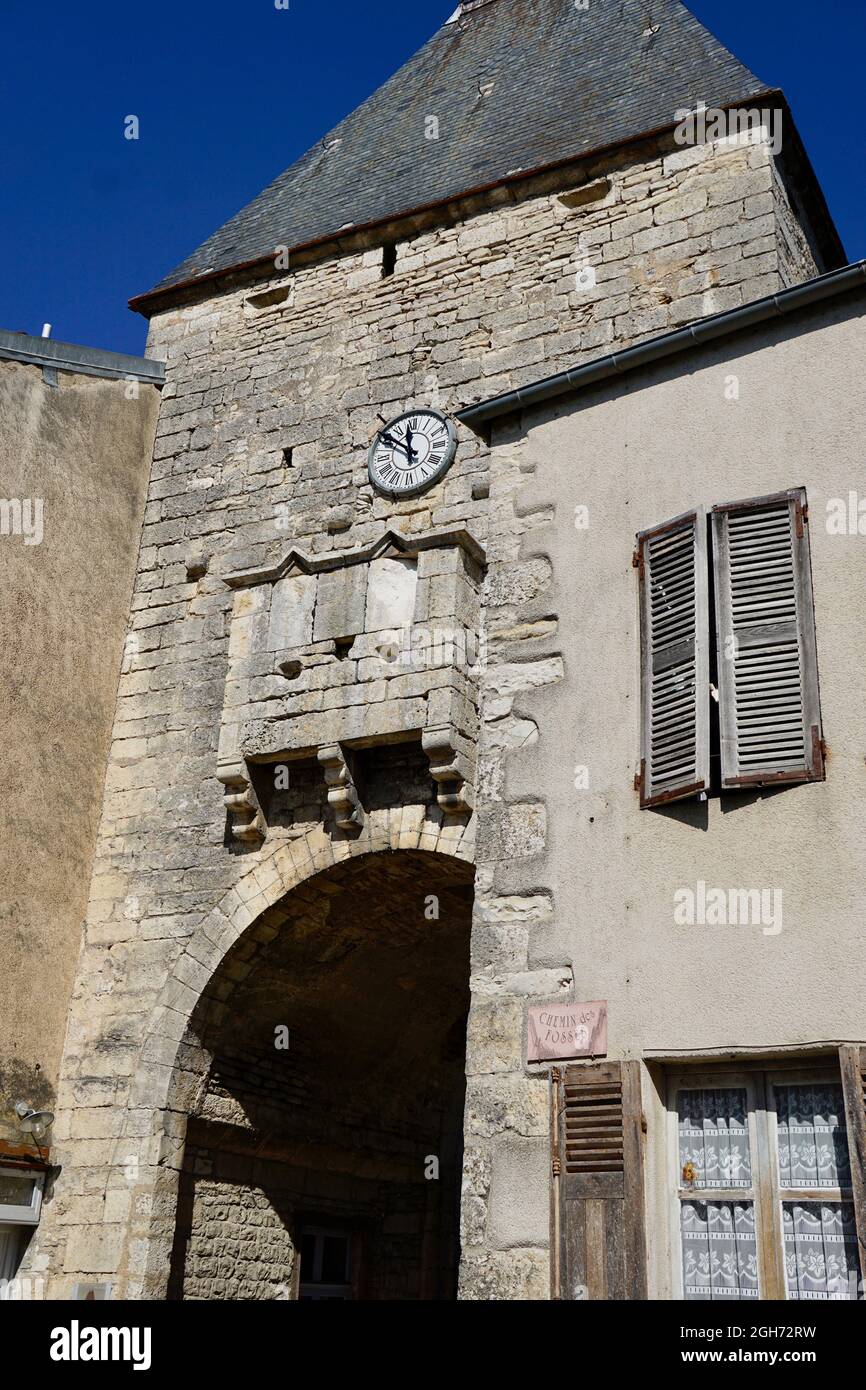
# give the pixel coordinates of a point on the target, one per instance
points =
(356, 1239)
(693, 1080)
(838, 1195)
(767, 1193)
(12, 1214)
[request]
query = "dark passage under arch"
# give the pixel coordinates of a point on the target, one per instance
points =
(324, 1152)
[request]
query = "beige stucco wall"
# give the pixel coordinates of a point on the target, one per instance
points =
(83, 448)
(637, 451)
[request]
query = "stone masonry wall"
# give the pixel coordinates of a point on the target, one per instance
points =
(266, 417)
(238, 1245)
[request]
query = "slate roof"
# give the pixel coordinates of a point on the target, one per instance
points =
(567, 82)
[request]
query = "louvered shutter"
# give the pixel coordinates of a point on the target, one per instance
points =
(602, 1230)
(852, 1061)
(765, 624)
(675, 680)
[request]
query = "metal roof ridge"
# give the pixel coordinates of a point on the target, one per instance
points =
(74, 357)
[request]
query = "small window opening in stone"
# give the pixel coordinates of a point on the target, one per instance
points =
(291, 669)
(267, 299)
(389, 260)
(589, 193)
(344, 645)
(289, 457)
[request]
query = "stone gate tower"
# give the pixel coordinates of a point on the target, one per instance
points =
(314, 922)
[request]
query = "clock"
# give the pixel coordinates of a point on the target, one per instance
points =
(412, 452)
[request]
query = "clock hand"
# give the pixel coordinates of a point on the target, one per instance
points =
(394, 443)
(410, 452)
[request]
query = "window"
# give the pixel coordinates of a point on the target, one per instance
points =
(20, 1196)
(763, 1187)
(759, 633)
(327, 1265)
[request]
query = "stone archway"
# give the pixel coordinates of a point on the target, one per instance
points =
(323, 1152)
(174, 1063)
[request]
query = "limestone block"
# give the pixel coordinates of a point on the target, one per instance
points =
(292, 606)
(94, 1249)
(499, 1104)
(340, 603)
(360, 278)
(477, 1172)
(391, 591)
(499, 947)
(519, 1196)
(686, 158)
(494, 1038)
(248, 626)
(502, 1276)
(686, 204)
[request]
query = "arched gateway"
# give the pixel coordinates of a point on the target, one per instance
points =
(306, 1078)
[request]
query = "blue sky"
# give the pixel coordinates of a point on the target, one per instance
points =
(230, 92)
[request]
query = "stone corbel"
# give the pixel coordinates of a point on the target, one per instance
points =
(342, 793)
(242, 804)
(451, 770)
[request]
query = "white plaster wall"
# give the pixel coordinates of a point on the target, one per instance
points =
(636, 452)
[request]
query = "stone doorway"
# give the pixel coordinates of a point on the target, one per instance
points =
(323, 1151)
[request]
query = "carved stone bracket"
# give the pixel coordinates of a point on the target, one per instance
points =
(342, 792)
(242, 804)
(451, 769)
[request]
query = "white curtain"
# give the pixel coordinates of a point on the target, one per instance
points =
(9, 1245)
(714, 1137)
(720, 1250)
(821, 1250)
(813, 1140)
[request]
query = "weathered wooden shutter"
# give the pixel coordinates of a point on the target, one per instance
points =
(765, 624)
(852, 1061)
(601, 1202)
(675, 678)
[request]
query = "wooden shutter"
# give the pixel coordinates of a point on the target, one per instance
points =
(765, 625)
(601, 1203)
(852, 1061)
(675, 678)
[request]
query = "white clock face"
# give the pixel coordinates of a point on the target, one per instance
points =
(412, 452)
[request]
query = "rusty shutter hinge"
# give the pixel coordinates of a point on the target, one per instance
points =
(802, 516)
(556, 1081)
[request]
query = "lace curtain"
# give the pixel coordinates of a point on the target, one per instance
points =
(719, 1237)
